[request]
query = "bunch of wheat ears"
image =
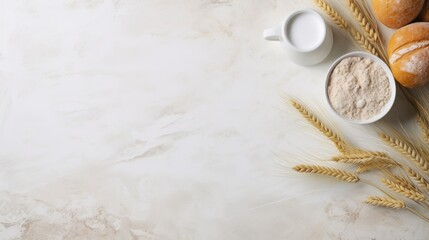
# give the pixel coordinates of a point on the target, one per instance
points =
(403, 185)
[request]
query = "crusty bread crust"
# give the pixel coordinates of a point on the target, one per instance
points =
(396, 13)
(411, 33)
(408, 53)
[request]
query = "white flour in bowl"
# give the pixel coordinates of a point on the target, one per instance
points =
(358, 88)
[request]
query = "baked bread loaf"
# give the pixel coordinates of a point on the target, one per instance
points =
(396, 13)
(408, 53)
(424, 13)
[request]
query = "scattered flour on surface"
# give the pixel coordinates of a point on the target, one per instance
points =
(407, 49)
(417, 65)
(358, 88)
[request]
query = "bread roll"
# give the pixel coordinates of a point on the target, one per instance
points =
(408, 52)
(396, 13)
(424, 13)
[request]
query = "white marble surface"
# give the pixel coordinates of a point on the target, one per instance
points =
(162, 119)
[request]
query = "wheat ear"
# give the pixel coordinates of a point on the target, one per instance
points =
(370, 32)
(333, 172)
(407, 192)
(408, 151)
(363, 42)
(377, 163)
(330, 11)
(374, 165)
(418, 179)
(404, 182)
(424, 127)
(359, 158)
(385, 202)
(352, 159)
(339, 143)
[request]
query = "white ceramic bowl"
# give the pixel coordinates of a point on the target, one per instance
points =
(392, 84)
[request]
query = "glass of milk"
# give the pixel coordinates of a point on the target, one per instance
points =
(305, 35)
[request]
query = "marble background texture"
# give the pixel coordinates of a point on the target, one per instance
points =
(162, 119)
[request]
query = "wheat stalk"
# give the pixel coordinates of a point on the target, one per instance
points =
(422, 113)
(418, 179)
(370, 32)
(385, 202)
(339, 143)
(371, 40)
(407, 192)
(333, 172)
(408, 151)
(330, 11)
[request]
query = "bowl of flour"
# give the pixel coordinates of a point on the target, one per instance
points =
(360, 88)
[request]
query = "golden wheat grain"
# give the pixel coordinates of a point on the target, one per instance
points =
(385, 202)
(363, 42)
(339, 143)
(333, 172)
(330, 11)
(408, 151)
(407, 192)
(418, 179)
(364, 22)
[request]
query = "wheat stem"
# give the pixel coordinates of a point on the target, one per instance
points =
(418, 214)
(333, 172)
(422, 116)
